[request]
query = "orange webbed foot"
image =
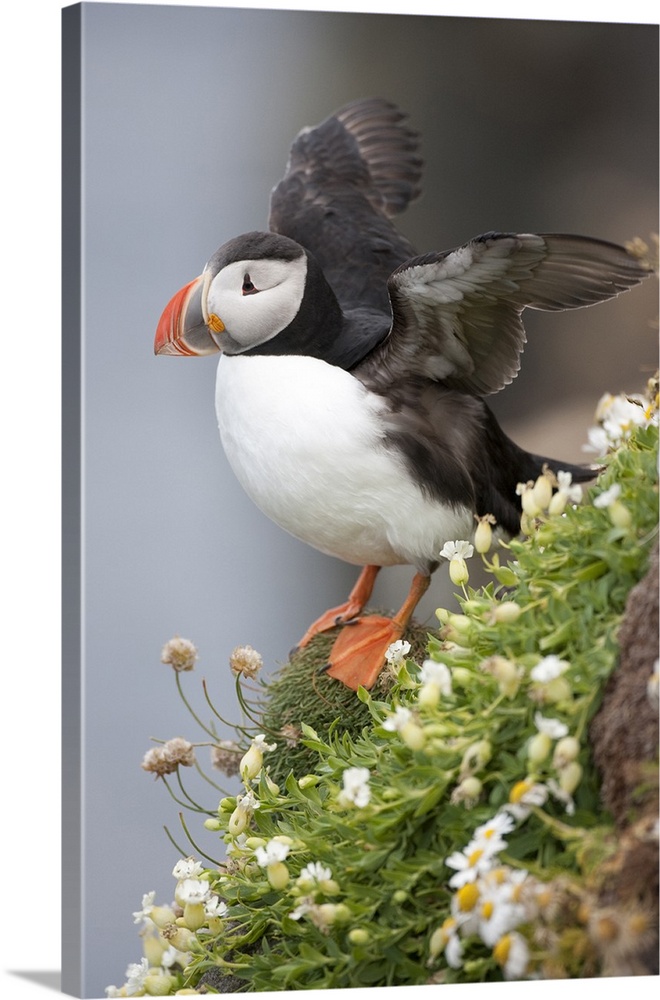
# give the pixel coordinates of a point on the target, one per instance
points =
(358, 654)
(344, 613)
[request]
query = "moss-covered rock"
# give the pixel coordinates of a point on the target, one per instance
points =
(301, 692)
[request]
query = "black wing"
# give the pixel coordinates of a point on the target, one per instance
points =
(456, 316)
(344, 180)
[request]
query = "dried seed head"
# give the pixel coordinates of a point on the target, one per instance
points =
(246, 661)
(179, 653)
(226, 757)
(291, 734)
(166, 759)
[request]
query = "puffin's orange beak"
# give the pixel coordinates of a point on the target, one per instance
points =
(182, 329)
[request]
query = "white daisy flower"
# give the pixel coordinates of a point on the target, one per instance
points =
(512, 953)
(494, 829)
(496, 914)
(524, 795)
(454, 951)
(468, 864)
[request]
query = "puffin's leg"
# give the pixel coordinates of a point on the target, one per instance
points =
(358, 655)
(357, 599)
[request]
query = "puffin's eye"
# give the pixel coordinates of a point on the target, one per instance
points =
(248, 288)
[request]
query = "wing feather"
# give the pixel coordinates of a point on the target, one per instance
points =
(345, 179)
(456, 316)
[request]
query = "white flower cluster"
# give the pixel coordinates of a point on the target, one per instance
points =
(617, 416)
(168, 932)
(549, 494)
(314, 884)
(490, 902)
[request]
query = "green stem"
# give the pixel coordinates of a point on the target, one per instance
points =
(493, 705)
(194, 715)
(171, 839)
(224, 964)
(588, 700)
(257, 722)
(230, 725)
(210, 781)
(193, 808)
(562, 830)
(196, 846)
(194, 804)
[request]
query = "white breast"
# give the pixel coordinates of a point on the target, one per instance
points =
(305, 440)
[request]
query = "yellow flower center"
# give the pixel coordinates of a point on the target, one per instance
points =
(544, 898)
(502, 949)
(516, 892)
(487, 910)
(519, 790)
(474, 857)
(467, 896)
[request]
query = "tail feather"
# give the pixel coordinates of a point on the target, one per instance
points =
(579, 473)
(505, 465)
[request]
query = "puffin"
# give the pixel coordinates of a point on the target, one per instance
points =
(353, 373)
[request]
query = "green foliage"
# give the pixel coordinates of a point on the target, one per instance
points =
(465, 746)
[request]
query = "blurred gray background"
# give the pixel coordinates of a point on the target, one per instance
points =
(187, 116)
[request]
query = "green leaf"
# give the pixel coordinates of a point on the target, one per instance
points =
(430, 799)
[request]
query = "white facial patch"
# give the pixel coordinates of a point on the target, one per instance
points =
(251, 317)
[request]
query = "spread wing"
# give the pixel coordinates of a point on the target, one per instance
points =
(456, 316)
(344, 181)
